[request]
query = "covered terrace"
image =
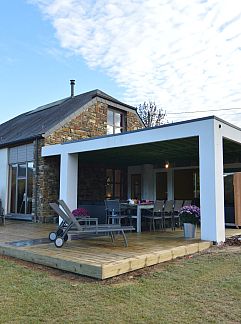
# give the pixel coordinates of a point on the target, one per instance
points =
(207, 144)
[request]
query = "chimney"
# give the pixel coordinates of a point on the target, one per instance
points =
(72, 83)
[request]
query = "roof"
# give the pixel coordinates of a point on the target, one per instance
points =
(35, 123)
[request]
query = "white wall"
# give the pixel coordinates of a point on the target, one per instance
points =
(4, 177)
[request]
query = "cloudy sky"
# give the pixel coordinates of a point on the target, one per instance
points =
(184, 55)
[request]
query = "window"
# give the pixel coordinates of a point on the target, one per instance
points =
(115, 184)
(115, 122)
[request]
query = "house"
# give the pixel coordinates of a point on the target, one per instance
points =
(27, 180)
(90, 147)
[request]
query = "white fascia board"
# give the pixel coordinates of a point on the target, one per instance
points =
(168, 132)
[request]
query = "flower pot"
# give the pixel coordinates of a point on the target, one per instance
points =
(189, 230)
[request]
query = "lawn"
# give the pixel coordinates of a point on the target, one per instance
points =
(204, 288)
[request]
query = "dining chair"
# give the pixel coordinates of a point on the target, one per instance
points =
(187, 203)
(176, 210)
(156, 214)
(168, 213)
(113, 211)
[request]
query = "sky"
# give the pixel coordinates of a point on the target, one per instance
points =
(184, 55)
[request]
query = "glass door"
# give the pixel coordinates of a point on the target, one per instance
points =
(21, 196)
(29, 188)
(13, 188)
(21, 189)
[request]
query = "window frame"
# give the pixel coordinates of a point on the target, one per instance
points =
(112, 125)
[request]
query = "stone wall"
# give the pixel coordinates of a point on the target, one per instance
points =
(133, 122)
(91, 182)
(89, 123)
(46, 178)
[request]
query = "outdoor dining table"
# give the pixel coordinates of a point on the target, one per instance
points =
(139, 208)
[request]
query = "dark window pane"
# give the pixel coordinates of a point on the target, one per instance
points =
(161, 186)
(117, 176)
(29, 187)
(21, 196)
(136, 186)
(184, 192)
(109, 183)
(22, 170)
(13, 172)
(117, 190)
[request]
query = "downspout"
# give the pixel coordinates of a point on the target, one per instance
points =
(36, 181)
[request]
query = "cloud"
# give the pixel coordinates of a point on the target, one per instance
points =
(186, 57)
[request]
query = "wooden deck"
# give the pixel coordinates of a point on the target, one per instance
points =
(96, 257)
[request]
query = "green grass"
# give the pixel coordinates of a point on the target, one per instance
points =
(202, 289)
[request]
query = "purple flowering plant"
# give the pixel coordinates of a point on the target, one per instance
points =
(190, 214)
(80, 212)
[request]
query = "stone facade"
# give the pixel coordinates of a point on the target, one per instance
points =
(45, 184)
(91, 122)
(133, 122)
(91, 182)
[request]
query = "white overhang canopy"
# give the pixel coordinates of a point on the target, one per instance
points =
(209, 141)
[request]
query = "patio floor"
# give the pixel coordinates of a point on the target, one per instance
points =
(97, 257)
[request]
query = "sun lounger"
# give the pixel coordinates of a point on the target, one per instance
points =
(71, 226)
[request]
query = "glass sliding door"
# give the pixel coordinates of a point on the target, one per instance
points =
(13, 188)
(29, 188)
(21, 190)
(21, 197)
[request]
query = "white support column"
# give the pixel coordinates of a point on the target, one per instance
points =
(69, 179)
(170, 184)
(211, 184)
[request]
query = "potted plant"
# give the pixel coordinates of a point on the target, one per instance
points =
(80, 212)
(189, 218)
